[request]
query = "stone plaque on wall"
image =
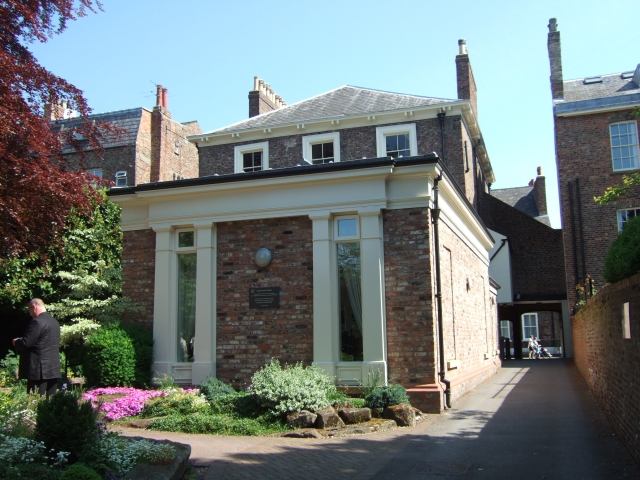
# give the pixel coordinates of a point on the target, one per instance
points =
(264, 297)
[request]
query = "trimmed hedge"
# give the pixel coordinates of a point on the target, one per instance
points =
(109, 358)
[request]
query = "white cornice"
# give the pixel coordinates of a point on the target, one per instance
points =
(591, 111)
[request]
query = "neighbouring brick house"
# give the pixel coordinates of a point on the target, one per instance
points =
(527, 261)
(596, 136)
(319, 232)
(152, 146)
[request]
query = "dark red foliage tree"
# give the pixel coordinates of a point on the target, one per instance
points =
(38, 189)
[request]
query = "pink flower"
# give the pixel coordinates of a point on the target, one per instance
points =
(126, 406)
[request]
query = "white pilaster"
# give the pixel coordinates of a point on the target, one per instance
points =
(164, 344)
(373, 303)
(325, 331)
(204, 365)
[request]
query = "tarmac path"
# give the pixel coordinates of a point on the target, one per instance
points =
(535, 419)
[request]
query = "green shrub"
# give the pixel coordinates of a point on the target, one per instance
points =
(109, 358)
(214, 388)
(66, 425)
(217, 424)
(142, 340)
(8, 367)
(623, 256)
(31, 471)
(293, 388)
(175, 403)
(382, 397)
(78, 471)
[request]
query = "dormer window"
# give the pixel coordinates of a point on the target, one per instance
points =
(397, 140)
(252, 158)
(121, 179)
(321, 148)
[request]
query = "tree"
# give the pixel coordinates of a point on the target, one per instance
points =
(32, 206)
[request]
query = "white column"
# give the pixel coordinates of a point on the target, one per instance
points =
(163, 335)
(325, 332)
(373, 302)
(205, 342)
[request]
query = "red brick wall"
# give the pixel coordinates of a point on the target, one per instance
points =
(609, 363)
(537, 262)
(583, 152)
(165, 133)
(113, 160)
(143, 149)
(248, 338)
(470, 324)
(138, 274)
(409, 306)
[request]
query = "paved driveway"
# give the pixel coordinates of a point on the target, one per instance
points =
(534, 419)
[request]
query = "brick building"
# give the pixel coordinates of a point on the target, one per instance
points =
(527, 261)
(326, 231)
(152, 146)
(596, 136)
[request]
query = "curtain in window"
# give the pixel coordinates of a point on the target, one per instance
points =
(349, 265)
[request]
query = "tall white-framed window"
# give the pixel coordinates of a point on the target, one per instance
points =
(347, 240)
(321, 148)
(624, 145)
(529, 325)
(186, 294)
(251, 158)
(97, 172)
(121, 178)
(397, 140)
(505, 329)
(625, 215)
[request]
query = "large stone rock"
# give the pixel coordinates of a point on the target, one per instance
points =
(172, 471)
(306, 433)
(328, 418)
(404, 415)
(301, 419)
(354, 415)
(376, 413)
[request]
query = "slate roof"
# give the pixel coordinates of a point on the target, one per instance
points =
(341, 102)
(128, 120)
(612, 85)
(521, 198)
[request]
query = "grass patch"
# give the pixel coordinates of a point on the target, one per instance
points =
(219, 424)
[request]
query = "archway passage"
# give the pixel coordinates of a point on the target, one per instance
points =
(543, 320)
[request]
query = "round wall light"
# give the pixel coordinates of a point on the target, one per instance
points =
(263, 257)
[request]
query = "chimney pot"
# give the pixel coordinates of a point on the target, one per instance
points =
(158, 95)
(531, 182)
(165, 98)
(553, 25)
(539, 171)
(462, 44)
(256, 83)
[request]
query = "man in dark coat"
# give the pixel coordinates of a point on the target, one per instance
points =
(40, 351)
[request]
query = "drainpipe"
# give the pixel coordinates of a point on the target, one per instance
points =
(436, 214)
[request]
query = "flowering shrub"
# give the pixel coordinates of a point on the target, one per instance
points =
(115, 455)
(126, 406)
(18, 413)
(293, 388)
(15, 452)
(8, 367)
(181, 402)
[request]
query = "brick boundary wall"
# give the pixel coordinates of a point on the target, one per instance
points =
(138, 274)
(609, 363)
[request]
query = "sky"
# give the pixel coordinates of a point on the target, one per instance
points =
(206, 53)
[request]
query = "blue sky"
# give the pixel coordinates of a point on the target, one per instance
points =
(207, 52)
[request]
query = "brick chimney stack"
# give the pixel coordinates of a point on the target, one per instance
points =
(56, 111)
(540, 193)
(555, 60)
(160, 135)
(464, 73)
(262, 99)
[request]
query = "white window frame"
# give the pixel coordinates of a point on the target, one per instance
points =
(240, 150)
(621, 213)
(537, 333)
(382, 132)
(631, 145)
(189, 249)
(345, 238)
(96, 172)
(120, 175)
(309, 140)
(505, 324)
